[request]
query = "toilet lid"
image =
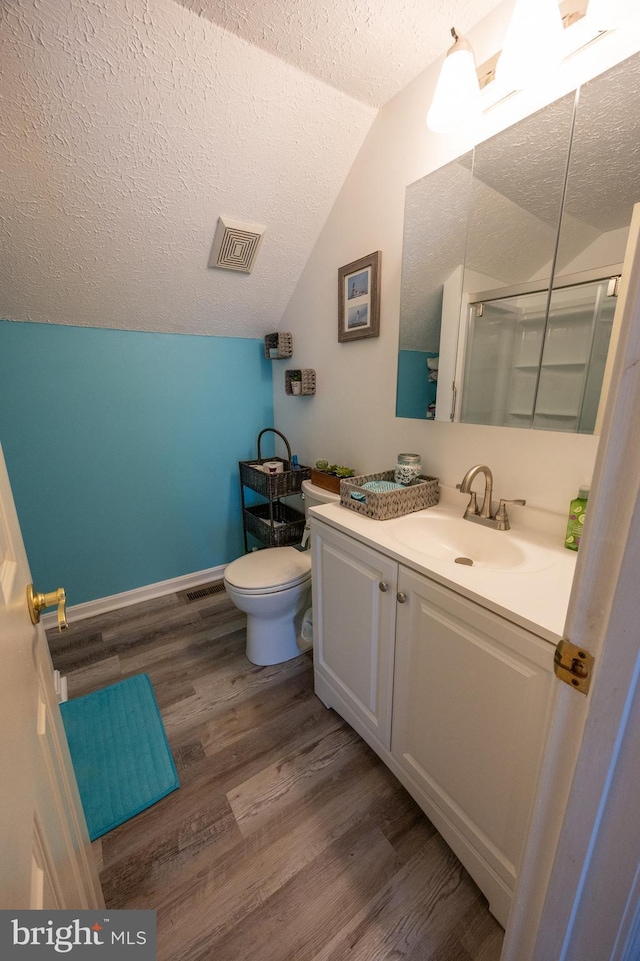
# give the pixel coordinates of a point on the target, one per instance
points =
(269, 569)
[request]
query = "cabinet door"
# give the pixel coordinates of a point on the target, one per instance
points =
(472, 700)
(354, 601)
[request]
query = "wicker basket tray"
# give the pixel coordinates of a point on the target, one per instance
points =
(383, 506)
(273, 485)
(288, 526)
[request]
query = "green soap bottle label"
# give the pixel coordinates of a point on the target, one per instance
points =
(576, 520)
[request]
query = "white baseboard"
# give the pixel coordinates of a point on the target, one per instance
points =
(104, 604)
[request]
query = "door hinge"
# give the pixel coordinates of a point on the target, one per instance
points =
(573, 665)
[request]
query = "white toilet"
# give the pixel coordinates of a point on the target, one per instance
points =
(273, 588)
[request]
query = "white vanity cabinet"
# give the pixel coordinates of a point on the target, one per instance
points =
(472, 700)
(354, 613)
(465, 694)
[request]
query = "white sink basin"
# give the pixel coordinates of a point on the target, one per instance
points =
(523, 574)
(451, 538)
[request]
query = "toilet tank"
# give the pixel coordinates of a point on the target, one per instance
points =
(316, 496)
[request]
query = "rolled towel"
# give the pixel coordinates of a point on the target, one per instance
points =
(378, 487)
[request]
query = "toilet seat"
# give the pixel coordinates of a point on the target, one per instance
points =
(269, 571)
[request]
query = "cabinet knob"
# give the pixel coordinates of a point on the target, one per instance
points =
(401, 597)
(383, 586)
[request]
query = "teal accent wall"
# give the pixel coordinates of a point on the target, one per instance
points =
(122, 450)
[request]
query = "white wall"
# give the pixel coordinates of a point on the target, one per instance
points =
(351, 419)
(608, 249)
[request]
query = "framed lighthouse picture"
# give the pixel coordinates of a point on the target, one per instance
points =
(359, 298)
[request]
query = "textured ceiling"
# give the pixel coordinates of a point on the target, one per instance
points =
(604, 176)
(369, 49)
(130, 126)
(433, 245)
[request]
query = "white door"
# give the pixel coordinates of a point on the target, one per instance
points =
(579, 898)
(45, 853)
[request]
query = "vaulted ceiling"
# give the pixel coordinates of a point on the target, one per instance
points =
(130, 126)
(369, 49)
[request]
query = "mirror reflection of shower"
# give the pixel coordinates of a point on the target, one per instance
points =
(526, 370)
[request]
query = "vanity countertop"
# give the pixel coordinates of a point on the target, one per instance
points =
(529, 584)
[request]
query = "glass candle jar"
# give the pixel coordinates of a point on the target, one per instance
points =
(408, 468)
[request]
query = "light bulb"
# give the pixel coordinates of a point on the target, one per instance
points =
(456, 101)
(533, 44)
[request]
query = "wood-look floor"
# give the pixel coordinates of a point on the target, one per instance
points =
(288, 839)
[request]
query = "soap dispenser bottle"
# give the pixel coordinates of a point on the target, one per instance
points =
(577, 513)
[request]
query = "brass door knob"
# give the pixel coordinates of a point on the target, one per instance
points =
(38, 602)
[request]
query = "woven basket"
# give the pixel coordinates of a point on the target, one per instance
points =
(272, 485)
(384, 506)
(281, 341)
(308, 381)
(257, 522)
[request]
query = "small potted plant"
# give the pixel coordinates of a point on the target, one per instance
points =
(328, 475)
(295, 379)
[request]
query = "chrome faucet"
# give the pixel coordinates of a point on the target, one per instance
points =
(484, 515)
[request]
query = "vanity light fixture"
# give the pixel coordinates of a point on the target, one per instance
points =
(456, 101)
(533, 45)
(541, 34)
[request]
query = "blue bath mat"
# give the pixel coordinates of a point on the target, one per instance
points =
(120, 753)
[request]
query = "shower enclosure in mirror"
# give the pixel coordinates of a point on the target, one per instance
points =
(530, 368)
(531, 226)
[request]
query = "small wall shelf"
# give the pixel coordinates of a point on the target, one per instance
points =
(307, 379)
(278, 345)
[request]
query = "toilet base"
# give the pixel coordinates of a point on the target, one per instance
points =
(271, 642)
(274, 640)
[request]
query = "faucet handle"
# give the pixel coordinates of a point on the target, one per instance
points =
(502, 517)
(472, 507)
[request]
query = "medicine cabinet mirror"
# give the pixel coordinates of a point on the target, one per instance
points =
(510, 260)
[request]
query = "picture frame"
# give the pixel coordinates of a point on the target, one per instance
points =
(359, 298)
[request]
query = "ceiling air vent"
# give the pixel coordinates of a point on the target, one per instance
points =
(236, 245)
